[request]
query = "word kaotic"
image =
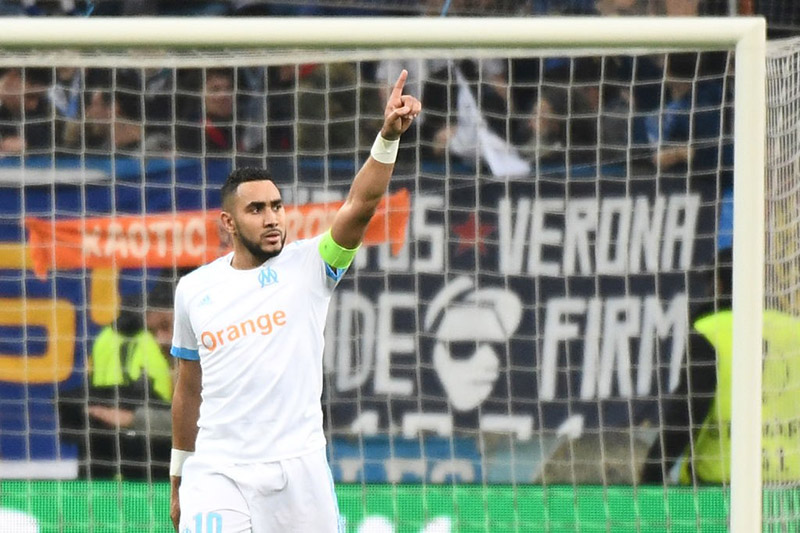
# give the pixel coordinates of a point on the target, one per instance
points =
(263, 324)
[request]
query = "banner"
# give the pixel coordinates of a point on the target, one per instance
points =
(532, 308)
(411, 508)
(183, 238)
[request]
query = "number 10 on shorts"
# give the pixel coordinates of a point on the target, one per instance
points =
(213, 523)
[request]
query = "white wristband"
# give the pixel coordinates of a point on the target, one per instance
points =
(384, 151)
(176, 460)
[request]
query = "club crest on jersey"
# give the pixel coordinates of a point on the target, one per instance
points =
(267, 276)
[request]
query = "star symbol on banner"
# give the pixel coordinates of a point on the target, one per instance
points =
(472, 233)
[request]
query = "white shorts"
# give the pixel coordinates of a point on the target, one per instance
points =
(290, 495)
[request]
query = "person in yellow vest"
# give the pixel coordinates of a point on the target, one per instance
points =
(708, 459)
(130, 383)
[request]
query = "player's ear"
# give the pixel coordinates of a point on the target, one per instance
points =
(227, 222)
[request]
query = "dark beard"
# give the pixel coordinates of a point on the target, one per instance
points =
(255, 249)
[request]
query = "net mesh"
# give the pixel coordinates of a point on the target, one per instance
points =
(781, 506)
(512, 350)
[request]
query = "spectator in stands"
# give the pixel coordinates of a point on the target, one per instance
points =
(444, 99)
(563, 124)
(127, 410)
(114, 114)
(65, 95)
(159, 100)
(546, 132)
(210, 124)
(328, 100)
(25, 125)
(605, 118)
(692, 113)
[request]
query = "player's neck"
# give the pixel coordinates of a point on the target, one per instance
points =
(243, 259)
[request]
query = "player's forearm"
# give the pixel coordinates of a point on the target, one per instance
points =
(185, 413)
(186, 405)
(368, 188)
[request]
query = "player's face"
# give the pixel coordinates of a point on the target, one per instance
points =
(259, 219)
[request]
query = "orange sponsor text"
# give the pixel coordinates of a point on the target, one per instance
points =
(264, 324)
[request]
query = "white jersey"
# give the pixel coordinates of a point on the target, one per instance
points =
(259, 337)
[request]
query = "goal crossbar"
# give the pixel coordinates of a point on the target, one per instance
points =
(347, 32)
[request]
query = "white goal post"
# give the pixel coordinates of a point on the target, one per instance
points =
(746, 35)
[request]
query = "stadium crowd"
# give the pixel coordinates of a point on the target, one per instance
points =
(549, 113)
(510, 116)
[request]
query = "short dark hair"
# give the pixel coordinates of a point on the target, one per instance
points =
(239, 176)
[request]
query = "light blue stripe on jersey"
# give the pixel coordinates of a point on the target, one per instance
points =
(334, 273)
(185, 353)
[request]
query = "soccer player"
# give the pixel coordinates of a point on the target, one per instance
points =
(248, 444)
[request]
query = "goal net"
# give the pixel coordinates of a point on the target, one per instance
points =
(781, 268)
(516, 347)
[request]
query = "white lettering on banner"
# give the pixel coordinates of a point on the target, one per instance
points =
(680, 227)
(195, 236)
(366, 423)
(657, 323)
(511, 249)
(620, 325)
(542, 236)
(581, 219)
(160, 229)
(139, 242)
(606, 328)
(415, 424)
(645, 234)
(461, 469)
(521, 426)
(390, 341)
(426, 238)
(612, 235)
(557, 328)
(91, 242)
(139, 237)
(433, 234)
(115, 241)
(624, 232)
(622, 322)
(354, 309)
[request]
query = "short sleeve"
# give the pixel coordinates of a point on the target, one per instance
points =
(184, 342)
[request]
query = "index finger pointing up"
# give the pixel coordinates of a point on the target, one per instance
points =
(398, 86)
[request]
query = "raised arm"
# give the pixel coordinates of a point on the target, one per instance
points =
(372, 180)
(185, 413)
